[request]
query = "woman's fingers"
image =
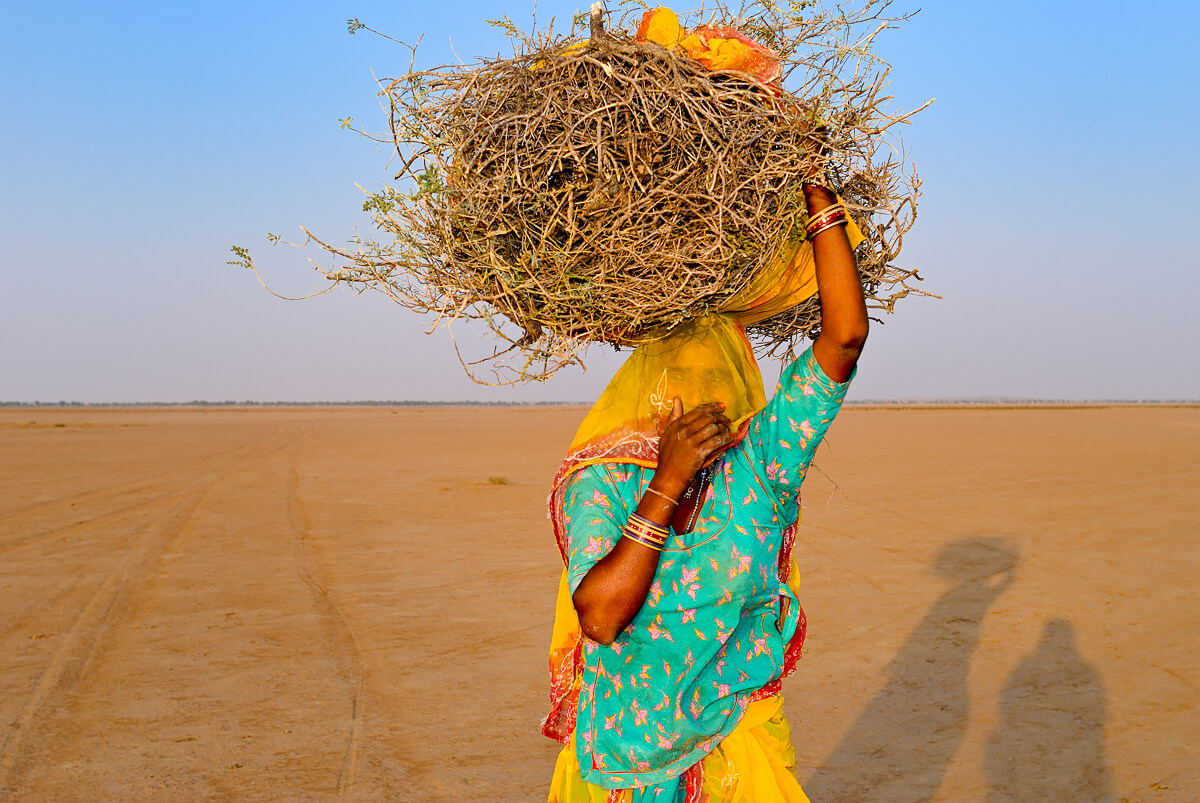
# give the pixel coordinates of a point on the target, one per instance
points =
(714, 442)
(707, 431)
(703, 410)
(701, 417)
(695, 436)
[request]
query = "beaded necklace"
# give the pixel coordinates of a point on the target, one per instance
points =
(699, 489)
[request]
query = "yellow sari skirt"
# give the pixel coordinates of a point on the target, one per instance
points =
(754, 764)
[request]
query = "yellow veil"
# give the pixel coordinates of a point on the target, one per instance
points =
(701, 360)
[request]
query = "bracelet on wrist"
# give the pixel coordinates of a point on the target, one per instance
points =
(645, 532)
(673, 501)
(837, 222)
(832, 215)
(646, 542)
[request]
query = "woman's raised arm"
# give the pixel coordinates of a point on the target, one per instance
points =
(844, 323)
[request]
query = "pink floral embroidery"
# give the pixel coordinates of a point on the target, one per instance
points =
(741, 563)
(597, 546)
(657, 632)
(656, 592)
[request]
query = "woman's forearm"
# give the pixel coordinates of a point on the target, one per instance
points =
(844, 322)
(614, 590)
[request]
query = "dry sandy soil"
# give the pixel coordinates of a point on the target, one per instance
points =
(320, 604)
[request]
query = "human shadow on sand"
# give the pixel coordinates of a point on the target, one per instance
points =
(1049, 743)
(899, 747)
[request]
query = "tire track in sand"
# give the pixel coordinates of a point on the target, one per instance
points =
(81, 642)
(300, 524)
(83, 639)
(66, 529)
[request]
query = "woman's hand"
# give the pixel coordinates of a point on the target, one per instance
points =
(818, 145)
(687, 443)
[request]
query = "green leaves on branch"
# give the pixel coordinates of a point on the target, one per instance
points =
(243, 257)
(428, 183)
(506, 25)
(379, 202)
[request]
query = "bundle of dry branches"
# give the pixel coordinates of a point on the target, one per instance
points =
(603, 189)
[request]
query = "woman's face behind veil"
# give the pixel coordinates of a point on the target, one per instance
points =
(698, 372)
(703, 360)
(701, 376)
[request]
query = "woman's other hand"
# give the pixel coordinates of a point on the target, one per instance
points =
(687, 442)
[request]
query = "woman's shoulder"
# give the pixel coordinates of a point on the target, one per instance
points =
(803, 382)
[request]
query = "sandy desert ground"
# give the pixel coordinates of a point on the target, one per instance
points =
(337, 603)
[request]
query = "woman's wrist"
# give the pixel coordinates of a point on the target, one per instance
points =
(670, 499)
(663, 483)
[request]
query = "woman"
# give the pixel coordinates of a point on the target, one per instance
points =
(675, 514)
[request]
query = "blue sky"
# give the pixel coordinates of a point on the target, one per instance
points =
(140, 141)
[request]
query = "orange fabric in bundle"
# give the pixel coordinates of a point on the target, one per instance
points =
(715, 48)
(790, 278)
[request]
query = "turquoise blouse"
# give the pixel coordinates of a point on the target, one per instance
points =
(676, 681)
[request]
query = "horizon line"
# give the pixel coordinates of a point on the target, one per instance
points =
(950, 401)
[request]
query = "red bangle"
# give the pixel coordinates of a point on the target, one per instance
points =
(646, 532)
(839, 222)
(824, 220)
(826, 214)
(637, 539)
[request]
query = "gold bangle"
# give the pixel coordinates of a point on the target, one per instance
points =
(837, 204)
(639, 534)
(642, 533)
(645, 531)
(656, 547)
(642, 521)
(663, 495)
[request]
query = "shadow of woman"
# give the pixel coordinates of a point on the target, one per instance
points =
(1049, 744)
(899, 747)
